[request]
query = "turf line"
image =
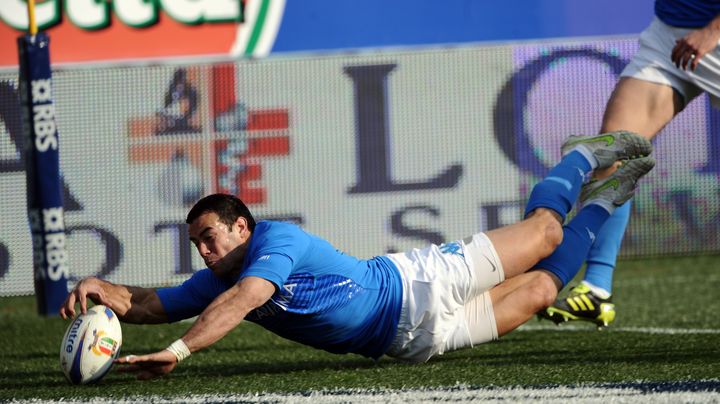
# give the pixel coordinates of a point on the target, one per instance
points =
(705, 391)
(641, 330)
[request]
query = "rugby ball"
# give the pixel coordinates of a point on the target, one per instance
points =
(90, 344)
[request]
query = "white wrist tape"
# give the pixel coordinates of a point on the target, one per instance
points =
(179, 349)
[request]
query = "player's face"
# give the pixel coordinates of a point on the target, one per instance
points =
(221, 246)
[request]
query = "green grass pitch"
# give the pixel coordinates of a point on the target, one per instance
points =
(667, 330)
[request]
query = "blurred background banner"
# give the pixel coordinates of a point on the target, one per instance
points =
(436, 128)
(91, 31)
(377, 152)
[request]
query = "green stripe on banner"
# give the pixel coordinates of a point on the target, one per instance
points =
(257, 28)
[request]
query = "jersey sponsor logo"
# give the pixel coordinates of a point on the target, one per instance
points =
(290, 288)
(285, 295)
(268, 309)
(278, 303)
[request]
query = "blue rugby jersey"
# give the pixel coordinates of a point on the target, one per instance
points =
(323, 298)
(687, 13)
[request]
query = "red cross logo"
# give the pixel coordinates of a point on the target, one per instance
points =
(206, 140)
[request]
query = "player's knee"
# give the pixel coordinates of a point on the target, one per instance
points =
(544, 291)
(550, 230)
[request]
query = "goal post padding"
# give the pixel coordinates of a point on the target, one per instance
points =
(42, 164)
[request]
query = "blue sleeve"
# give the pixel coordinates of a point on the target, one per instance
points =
(191, 297)
(276, 254)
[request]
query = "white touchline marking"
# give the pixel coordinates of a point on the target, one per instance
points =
(669, 280)
(635, 392)
(642, 330)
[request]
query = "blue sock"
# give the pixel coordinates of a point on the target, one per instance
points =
(559, 190)
(603, 254)
(578, 237)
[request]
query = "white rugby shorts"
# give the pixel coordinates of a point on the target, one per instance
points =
(652, 63)
(446, 303)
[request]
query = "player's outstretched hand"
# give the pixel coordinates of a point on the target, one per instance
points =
(148, 366)
(88, 287)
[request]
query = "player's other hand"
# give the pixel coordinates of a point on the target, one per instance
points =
(86, 288)
(692, 47)
(148, 366)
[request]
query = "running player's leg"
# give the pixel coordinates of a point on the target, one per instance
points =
(602, 257)
(643, 107)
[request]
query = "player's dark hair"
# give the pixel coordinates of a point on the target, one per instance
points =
(227, 207)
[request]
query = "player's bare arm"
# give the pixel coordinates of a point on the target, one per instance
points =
(691, 48)
(227, 311)
(131, 304)
(224, 314)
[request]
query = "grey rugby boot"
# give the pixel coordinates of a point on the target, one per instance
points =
(610, 147)
(618, 187)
